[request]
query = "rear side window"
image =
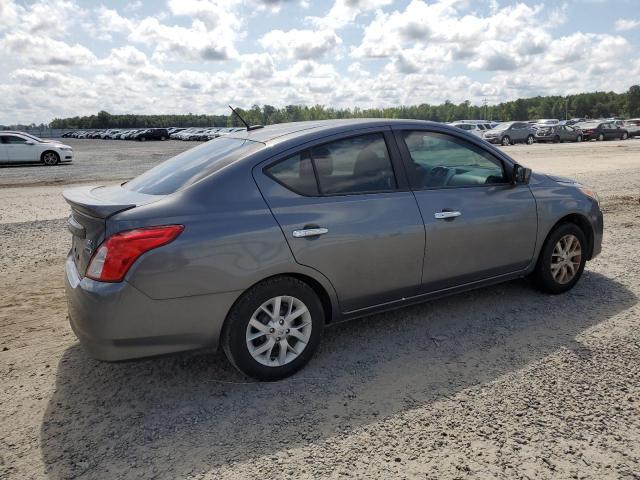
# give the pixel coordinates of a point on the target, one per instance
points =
(296, 173)
(188, 167)
(353, 165)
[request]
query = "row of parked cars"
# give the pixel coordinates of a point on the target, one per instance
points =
(552, 130)
(143, 134)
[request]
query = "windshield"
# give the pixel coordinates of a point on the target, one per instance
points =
(502, 126)
(190, 166)
(39, 140)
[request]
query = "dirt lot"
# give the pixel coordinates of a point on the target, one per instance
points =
(503, 382)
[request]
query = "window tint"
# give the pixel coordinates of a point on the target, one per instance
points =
(445, 161)
(13, 140)
(354, 165)
(190, 166)
(296, 173)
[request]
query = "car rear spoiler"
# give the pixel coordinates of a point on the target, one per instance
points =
(102, 202)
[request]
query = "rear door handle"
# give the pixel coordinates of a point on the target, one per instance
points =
(309, 232)
(445, 215)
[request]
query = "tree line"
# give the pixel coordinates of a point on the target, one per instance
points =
(587, 105)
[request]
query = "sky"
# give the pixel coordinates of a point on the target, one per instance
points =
(69, 57)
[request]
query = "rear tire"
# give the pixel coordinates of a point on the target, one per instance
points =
(50, 158)
(556, 139)
(530, 140)
(143, 139)
(259, 324)
(562, 259)
(579, 138)
(624, 136)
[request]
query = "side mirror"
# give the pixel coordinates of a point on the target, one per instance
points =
(520, 174)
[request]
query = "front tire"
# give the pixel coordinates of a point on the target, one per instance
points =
(601, 137)
(273, 330)
(506, 141)
(624, 136)
(562, 259)
(579, 138)
(50, 158)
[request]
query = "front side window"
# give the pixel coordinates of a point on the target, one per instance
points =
(440, 161)
(13, 140)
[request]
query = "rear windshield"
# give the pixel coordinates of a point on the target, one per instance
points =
(190, 166)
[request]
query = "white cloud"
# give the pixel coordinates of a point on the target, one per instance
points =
(196, 42)
(199, 55)
(624, 24)
(344, 12)
(300, 44)
(38, 50)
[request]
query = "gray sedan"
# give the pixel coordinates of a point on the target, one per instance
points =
(257, 240)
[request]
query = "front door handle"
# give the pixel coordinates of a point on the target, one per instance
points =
(444, 215)
(310, 232)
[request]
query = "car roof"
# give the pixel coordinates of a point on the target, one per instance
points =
(280, 131)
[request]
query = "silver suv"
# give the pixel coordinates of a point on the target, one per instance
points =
(511, 132)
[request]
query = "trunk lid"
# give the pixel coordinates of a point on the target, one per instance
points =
(90, 209)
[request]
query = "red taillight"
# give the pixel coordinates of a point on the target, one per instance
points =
(114, 257)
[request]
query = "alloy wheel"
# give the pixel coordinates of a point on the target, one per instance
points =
(566, 259)
(279, 331)
(50, 158)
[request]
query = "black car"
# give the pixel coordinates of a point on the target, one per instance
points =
(558, 133)
(151, 134)
(602, 131)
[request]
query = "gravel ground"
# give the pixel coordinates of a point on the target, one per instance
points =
(502, 382)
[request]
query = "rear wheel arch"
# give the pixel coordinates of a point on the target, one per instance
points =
(315, 285)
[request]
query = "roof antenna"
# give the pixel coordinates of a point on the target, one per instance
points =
(249, 128)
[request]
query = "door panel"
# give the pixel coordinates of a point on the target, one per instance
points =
(477, 224)
(494, 234)
(3, 153)
(369, 245)
(373, 249)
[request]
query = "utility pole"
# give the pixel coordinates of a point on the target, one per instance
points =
(566, 109)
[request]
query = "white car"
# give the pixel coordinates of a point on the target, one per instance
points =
(18, 147)
(476, 129)
(633, 127)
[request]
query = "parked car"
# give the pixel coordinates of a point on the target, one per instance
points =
(600, 131)
(633, 127)
(475, 129)
(547, 121)
(151, 134)
(256, 240)
(558, 133)
(23, 148)
(573, 121)
(511, 132)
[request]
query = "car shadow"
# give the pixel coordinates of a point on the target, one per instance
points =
(191, 412)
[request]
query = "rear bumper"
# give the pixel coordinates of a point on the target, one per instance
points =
(116, 321)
